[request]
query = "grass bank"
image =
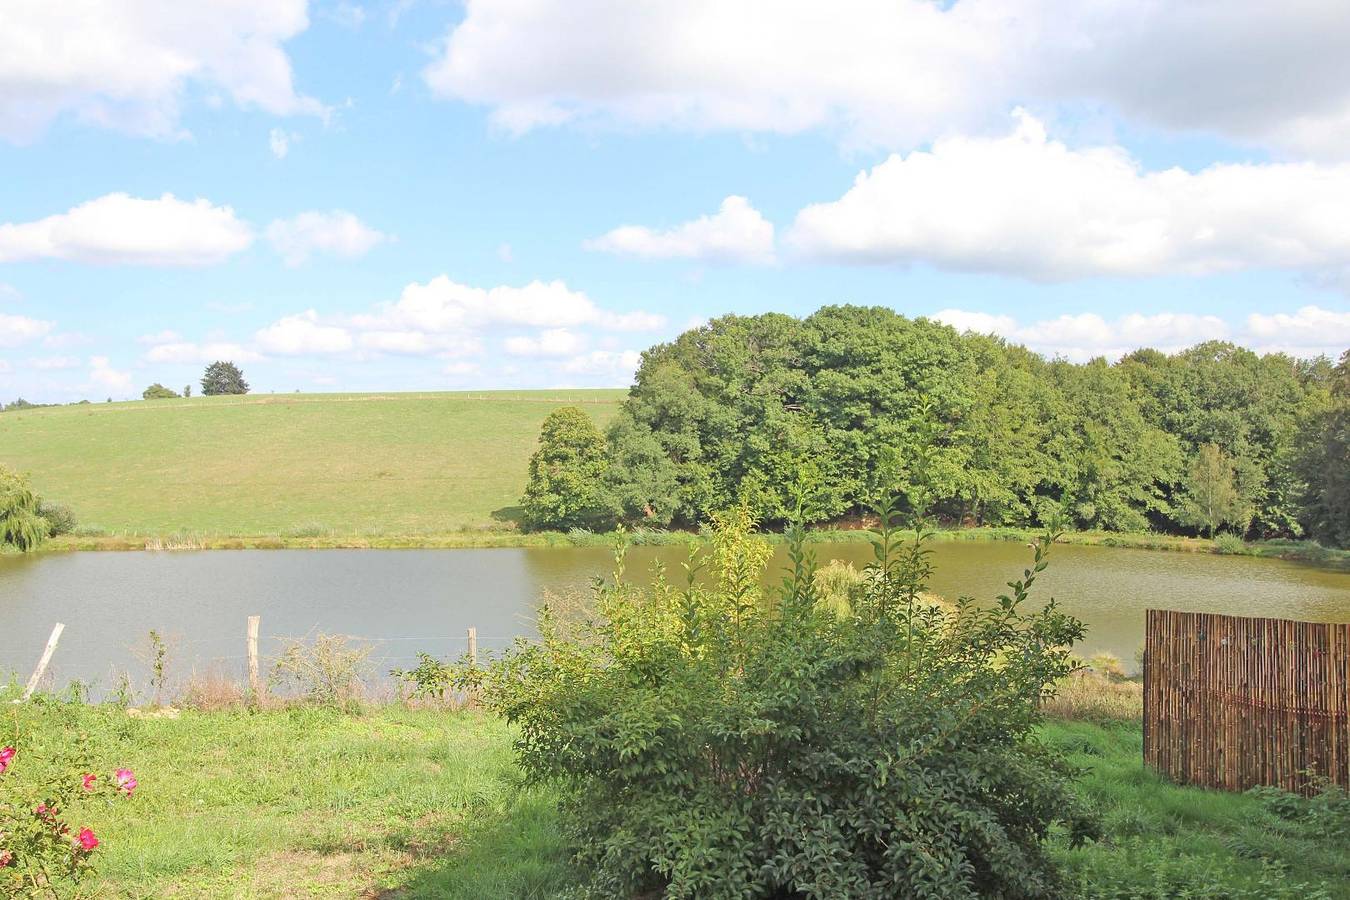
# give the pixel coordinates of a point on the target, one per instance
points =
(401, 803)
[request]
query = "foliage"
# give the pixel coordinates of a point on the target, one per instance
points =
(1323, 464)
(566, 475)
(329, 671)
(429, 678)
(223, 378)
(59, 517)
(21, 525)
(1211, 497)
(187, 390)
(158, 391)
(720, 740)
(852, 403)
(41, 806)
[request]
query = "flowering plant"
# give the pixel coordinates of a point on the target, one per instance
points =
(45, 849)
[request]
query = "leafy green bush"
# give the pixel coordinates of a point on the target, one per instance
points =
(1230, 544)
(718, 739)
(60, 518)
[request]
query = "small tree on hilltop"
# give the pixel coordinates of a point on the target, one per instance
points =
(20, 524)
(223, 378)
(158, 391)
(1212, 496)
(566, 486)
(187, 390)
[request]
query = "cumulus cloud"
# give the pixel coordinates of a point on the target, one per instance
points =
(336, 233)
(896, 73)
(735, 233)
(302, 335)
(611, 366)
(208, 352)
(15, 330)
(104, 377)
(1311, 331)
(117, 228)
(444, 306)
(50, 363)
(129, 66)
(1026, 205)
(553, 342)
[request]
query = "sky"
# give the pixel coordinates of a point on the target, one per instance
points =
(422, 195)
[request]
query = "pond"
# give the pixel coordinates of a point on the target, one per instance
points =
(403, 601)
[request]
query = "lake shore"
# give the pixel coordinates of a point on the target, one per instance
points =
(488, 537)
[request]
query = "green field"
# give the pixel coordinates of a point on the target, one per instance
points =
(403, 803)
(290, 465)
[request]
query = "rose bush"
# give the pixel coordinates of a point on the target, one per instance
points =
(45, 847)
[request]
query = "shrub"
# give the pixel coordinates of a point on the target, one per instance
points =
(1230, 544)
(20, 524)
(60, 518)
(41, 851)
(717, 739)
(330, 671)
(158, 391)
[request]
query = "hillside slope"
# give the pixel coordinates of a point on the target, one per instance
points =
(289, 464)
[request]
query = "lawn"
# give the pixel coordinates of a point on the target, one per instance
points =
(293, 464)
(396, 802)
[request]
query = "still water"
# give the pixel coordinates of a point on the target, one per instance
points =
(403, 601)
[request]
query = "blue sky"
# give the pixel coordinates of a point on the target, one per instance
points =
(527, 193)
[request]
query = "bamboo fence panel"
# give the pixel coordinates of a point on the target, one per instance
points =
(1232, 702)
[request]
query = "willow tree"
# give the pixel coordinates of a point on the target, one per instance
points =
(20, 524)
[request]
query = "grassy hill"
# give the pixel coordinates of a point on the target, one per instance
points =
(290, 465)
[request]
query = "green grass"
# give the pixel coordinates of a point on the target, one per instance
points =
(392, 803)
(297, 466)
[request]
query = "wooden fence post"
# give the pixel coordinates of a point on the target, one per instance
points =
(253, 657)
(42, 663)
(473, 647)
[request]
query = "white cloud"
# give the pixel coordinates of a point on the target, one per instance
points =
(735, 233)
(167, 336)
(49, 363)
(614, 366)
(1030, 206)
(336, 233)
(128, 65)
(1309, 332)
(183, 352)
(117, 228)
(897, 73)
(104, 377)
(552, 342)
(348, 15)
(442, 305)
(15, 330)
(303, 334)
(279, 141)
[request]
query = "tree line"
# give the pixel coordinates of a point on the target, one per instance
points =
(829, 413)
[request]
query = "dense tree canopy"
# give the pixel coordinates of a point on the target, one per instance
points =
(850, 404)
(566, 486)
(1322, 466)
(223, 378)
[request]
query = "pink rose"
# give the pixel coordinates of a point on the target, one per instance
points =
(86, 840)
(126, 781)
(6, 755)
(89, 782)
